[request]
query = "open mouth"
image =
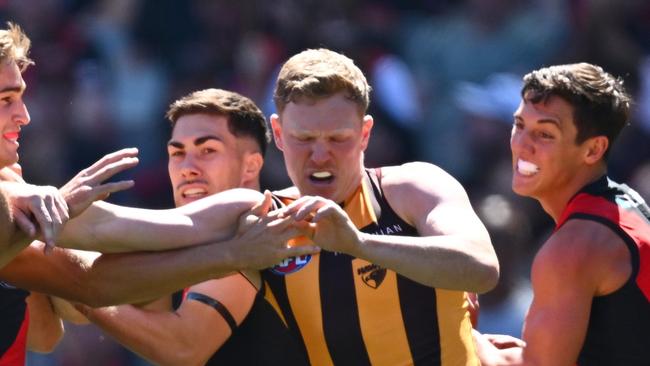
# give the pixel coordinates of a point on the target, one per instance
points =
(321, 177)
(194, 193)
(11, 136)
(526, 168)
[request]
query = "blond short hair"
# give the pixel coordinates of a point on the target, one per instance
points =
(320, 73)
(14, 46)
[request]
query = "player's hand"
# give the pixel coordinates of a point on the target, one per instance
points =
(508, 351)
(503, 341)
(262, 241)
(88, 186)
(37, 209)
(252, 216)
(325, 223)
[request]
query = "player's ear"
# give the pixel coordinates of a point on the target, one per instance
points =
(253, 163)
(596, 148)
(366, 127)
(276, 126)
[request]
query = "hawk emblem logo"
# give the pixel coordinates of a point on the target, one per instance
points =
(372, 275)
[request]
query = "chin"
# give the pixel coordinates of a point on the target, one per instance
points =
(523, 190)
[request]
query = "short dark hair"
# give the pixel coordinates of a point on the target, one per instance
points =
(244, 117)
(600, 102)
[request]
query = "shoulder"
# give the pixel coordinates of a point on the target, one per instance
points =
(417, 178)
(587, 250)
(414, 190)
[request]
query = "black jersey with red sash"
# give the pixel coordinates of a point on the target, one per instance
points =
(348, 311)
(14, 320)
(619, 322)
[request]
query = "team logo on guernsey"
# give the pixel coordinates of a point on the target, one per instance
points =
(291, 265)
(372, 275)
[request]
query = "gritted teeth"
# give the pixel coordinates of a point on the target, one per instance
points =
(321, 175)
(194, 192)
(526, 167)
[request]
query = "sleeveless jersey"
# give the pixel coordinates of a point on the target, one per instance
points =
(618, 324)
(348, 311)
(14, 320)
(261, 339)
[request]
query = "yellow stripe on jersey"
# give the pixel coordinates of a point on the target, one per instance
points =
(452, 312)
(380, 316)
(304, 297)
(359, 207)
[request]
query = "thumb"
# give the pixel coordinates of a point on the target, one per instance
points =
(302, 250)
(263, 207)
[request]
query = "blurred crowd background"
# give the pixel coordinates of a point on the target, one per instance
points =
(446, 77)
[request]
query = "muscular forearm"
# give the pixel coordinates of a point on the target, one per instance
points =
(109, 228)
(116, 278)
(138, 277)
(436, 261)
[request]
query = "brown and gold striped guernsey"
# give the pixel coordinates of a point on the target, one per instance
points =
(348, 311)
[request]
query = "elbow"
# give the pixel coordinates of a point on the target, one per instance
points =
(489, 277)
(485, 266)
(486, 274)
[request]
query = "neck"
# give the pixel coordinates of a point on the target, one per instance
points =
(555, 202)
(254, 184)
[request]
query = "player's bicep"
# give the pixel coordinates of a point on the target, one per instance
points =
(432, 201)
(555, 331)
(563, 289)
(453, 216)
(214, 309)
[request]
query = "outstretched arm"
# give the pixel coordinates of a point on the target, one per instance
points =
(454, 250)
(136, 277)
(43, 210)
(110, 228)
